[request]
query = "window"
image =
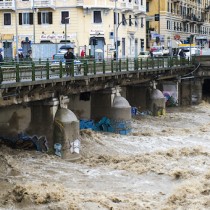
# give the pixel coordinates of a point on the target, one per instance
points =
(25, 18)
(136, 21)
(130, 21)
(97, 17)
(142, 22)
(64, 14)
(147, 6)
(118, 18)
(124, 22)
(7, 19)
(45, 18)
(168, 24)
(123, 46)
(115, 18)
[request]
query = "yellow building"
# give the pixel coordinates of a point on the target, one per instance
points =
(178, 21)
(78, 21)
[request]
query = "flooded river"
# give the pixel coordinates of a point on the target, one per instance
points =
(163, 164)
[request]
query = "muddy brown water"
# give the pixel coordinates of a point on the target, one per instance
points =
(163, 164)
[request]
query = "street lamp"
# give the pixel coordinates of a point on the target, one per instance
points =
(66, 18)
(16, 29)
(33, 22)
(159, 17)
(115, 28)
(170, 25)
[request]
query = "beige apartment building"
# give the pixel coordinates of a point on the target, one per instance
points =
(177, 21)
(77, 21)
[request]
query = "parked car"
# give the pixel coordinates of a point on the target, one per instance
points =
(60, 57)
(144, 55)
(159, 51)
(194, 51)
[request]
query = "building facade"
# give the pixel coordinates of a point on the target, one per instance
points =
(178, 21)
(92, 25)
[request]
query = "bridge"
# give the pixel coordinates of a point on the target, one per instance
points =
(32, 81)
(40, 98)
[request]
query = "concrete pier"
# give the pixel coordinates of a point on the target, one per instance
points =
(66, 133)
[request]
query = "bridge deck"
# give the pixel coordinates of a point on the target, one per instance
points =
(41, 71)
(25, 82)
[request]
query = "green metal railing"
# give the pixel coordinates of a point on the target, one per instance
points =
(45, 70)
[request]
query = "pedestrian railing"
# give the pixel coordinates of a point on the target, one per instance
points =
(12, 72)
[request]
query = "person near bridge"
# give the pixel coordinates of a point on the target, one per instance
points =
(69, 57)
(1, 58)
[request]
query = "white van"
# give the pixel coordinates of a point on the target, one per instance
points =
(158, 51)
(194, 51)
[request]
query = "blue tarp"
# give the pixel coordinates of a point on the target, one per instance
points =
(104, 125)
(107, 125)
(87, 124)
(24, 141)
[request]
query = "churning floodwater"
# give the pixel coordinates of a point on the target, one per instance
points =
(163, 164)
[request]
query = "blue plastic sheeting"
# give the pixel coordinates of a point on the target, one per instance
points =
(57, 148)
(122, 127)
(24, 141)
(104, 125)
(134, 111)
(87, 124)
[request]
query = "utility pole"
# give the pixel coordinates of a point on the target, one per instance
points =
(66, 18)
(33, 23)
(159, 17)
(16, 31)
(94, 48)
(170, 43)
(115, 25)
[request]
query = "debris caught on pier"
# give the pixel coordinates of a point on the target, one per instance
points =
(26, 142)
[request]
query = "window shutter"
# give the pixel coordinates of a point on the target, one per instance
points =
(20, 18)
(39, 18)
(31, 18)
(50, 18)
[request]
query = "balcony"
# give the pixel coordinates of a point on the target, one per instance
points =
(127, 6)
(207, 9)
(7, 5)
(138, 9)
(80, 3)
(176, 1)
(102, 4)
(200, 21)
(44, 4)
(185, 18)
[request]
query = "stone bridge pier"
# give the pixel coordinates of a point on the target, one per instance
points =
(42, 118)
(99, 104)
(104, 103)
(146, 97)
(190, 91)
(109, 103)
(60, 125)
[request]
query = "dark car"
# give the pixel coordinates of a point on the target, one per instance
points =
(60, 57)
(66, 47)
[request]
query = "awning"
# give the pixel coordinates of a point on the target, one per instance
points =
(97, 38)
(200, 37)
